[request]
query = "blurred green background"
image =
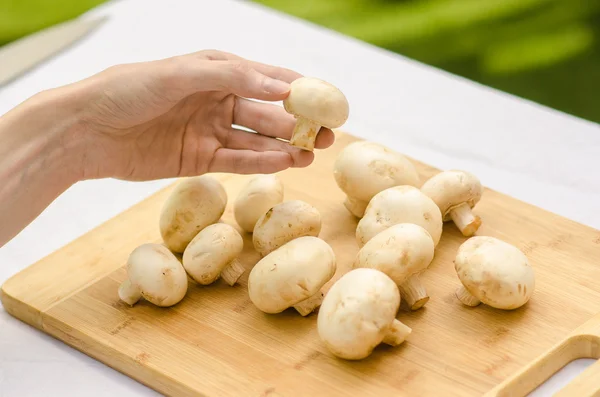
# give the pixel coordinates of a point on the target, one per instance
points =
(547, 51)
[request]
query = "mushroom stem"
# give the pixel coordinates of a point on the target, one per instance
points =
(304, 134)
(129, 293)
(466, 298)
(232, 272)
(397, 333)
(355, 206)
(413, 292)
(308, 305)
(465, 220)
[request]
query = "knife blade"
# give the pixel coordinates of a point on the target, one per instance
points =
(22, 55)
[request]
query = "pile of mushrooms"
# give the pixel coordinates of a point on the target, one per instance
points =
(402, 252)
(399, 204)
(399, 229)
(363, 169)
(359, 312)
(292, 276)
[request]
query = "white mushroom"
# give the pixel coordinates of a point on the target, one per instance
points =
(194, 203)
(359, 312)
(399, 204)
(213, 253)
(363, 169)
(292, 275)
(456, 193)
(283, 223)
(259, 195)
(155, 274)
(493, 272)
(402, 252)
(314, 103)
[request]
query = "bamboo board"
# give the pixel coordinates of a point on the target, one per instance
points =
(216, 343)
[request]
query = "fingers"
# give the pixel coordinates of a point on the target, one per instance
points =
(273, 121)
(243, 140)
(272, 71)
(249, 162)
(243, 78)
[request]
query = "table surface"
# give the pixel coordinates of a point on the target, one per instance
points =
(522, 149)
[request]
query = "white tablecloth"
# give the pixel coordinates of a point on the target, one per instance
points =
(426, 113)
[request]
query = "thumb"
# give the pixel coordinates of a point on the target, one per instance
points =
(240, 78)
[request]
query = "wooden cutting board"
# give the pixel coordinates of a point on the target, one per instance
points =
(216, 343)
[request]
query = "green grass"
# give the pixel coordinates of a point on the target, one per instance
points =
(22, 17)
(547, 51)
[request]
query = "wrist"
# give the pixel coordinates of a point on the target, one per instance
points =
(41, 136)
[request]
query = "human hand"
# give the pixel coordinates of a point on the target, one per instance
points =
(174, 117)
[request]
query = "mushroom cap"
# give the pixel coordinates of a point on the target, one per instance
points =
(210, 251)
(194, 203)
(260, 194)
(290, 274)
(283, 223)
(363, 169)
(450, 189)
(399, 251)
(357, 312)
(495, 272)
(317, 101)
(399, 204)
(158, 274)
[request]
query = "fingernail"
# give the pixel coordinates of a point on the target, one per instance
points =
(273, 86)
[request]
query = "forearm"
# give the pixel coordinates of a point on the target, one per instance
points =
(39, 157)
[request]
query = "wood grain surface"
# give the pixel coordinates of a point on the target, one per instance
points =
(216, 343)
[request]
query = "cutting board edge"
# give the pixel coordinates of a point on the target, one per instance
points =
(10, 299)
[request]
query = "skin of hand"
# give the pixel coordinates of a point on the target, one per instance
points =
(173, 117)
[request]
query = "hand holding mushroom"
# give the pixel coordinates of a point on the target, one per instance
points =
(155, 274)
(456, 193)
(292, 275)
(359, 312)
(314, 103)
(493, 272)
(363, 169)
(402, 252)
